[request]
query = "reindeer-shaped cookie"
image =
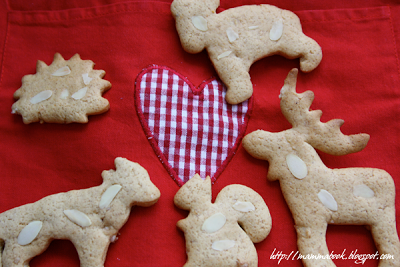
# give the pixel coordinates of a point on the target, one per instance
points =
(237, 37)
(316, 195)
(89, 218)
(222, 234)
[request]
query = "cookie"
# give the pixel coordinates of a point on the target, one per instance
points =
(63, 92)
(317, 195)
(237, 37)
(222, 233)
(89, 218)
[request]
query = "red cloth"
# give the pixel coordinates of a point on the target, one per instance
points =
(358, 80)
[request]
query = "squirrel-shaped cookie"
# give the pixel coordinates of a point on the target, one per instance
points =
(317, 195)
(237, 37)
(222, 233)
(89, 218)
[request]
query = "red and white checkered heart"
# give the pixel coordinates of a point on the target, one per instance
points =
(192, 130)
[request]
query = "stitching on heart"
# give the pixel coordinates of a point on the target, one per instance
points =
(178, 120)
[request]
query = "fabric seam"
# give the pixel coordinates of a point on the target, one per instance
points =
(196, 90)
(4, 49)
(359, 18)
(122, 8)
(394, 42)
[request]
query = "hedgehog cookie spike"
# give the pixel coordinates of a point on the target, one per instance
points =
(64, 92)
(76, 56)
(58, 56)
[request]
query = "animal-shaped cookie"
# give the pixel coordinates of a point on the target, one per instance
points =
(222, 233)
(89, 218)
(317, 195)
(63, 92)
(237, 37)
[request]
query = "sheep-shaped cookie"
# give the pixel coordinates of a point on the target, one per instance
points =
(89, 218)
(317, 195)
(237, 37)
(222, 233)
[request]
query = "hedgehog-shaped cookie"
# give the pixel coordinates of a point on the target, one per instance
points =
(63, 92)
(222, 233)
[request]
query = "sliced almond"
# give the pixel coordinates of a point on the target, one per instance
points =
(86, 78)
(113, 239)
(363, 191)
(276, 31)
(253, 27)
(281, 92)
(232, 35)
(225, 54)
(214, 223)
(109, 195)
(222, 245)
(200, 23)
(62, 71)
(64, 94)
(244, 206)
(80, 93)
(296, 166)
(78, 217)
(328, 200)
(42, 96)
(29, 233)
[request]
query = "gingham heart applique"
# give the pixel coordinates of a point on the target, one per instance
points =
(192, 130)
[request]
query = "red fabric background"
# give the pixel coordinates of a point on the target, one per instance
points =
(357, 80)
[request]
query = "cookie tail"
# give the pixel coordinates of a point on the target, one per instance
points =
(250, 209)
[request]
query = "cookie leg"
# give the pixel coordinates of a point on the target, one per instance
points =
(92, 249)
(190, 264)
(235, 75)
(16, 255)
(312, 242)
(248, 259)
(8, 257)
(387, 243)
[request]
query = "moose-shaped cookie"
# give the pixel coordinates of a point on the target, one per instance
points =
(222, 233)
(89, 218)
(237, 37)
(317, 195)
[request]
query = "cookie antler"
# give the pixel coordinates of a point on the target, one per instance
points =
(326, 137)
(317, 195)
